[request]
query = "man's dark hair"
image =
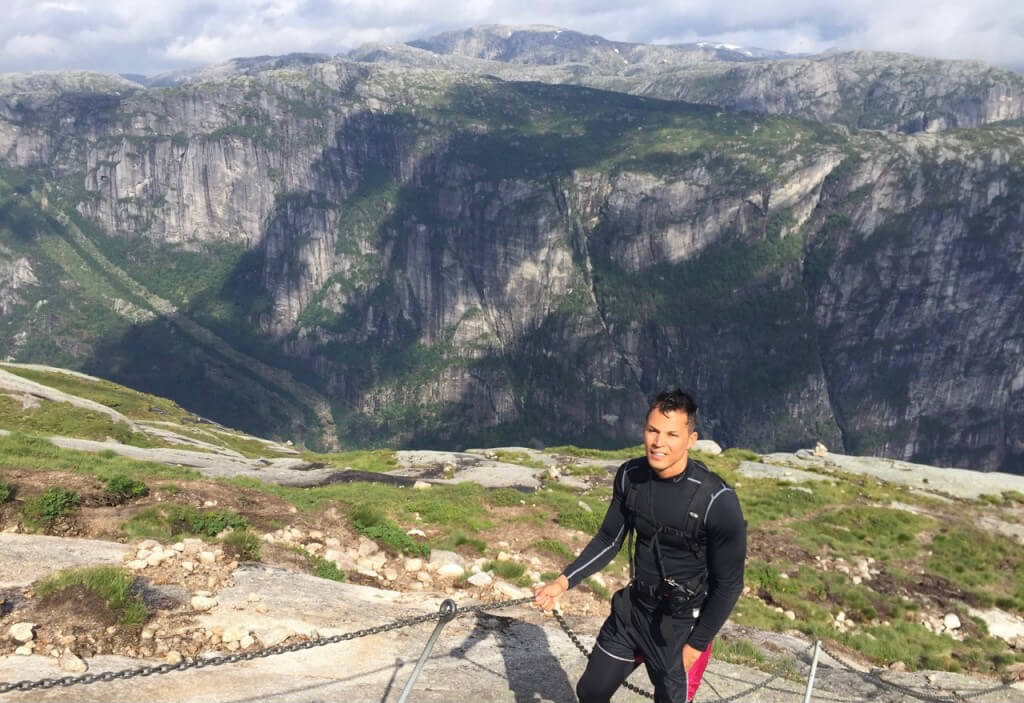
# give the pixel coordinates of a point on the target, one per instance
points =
(676, 401)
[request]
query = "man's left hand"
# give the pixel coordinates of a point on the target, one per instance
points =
(690, 657)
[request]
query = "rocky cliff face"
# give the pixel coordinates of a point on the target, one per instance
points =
(863, 89)
(15, 274)
(409, 256)
(916, 298)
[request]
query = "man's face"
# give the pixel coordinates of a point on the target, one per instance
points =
(668, 439)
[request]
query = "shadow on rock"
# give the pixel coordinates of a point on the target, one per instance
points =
(532, 670)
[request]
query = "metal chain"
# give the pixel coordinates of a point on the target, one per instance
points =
(494, 606)
(417, 620)
(583, 650)
(763, 684)
(244, 656)
(736, 696)
(913, 692)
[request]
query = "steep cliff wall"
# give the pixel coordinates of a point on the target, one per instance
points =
(447, 257)
(915, 278)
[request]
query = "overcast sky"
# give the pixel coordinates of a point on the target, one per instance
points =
(149, 37)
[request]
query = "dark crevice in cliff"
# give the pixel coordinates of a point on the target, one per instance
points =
(833, 403)
(628, 363)
(812, 272)
(809, 282)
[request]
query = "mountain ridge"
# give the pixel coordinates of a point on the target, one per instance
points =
(449, 257)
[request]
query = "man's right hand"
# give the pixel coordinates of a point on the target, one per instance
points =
(546, 594)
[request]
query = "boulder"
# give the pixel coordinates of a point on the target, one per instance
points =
(708, 446)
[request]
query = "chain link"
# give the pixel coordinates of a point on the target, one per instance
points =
(166, 668)
(646, 694)
(248, 656)
(913, 692)
(214, 661)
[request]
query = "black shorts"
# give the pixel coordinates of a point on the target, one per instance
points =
(635, 627)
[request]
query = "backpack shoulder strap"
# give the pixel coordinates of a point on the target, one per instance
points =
(700, 500)
(629, 500)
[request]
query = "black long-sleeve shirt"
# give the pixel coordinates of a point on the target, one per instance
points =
(726, 541)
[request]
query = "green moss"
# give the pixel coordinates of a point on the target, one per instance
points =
(505, 497)
(767, 499)
(454, 541)
(742, 454)
(568, 510)
(67, 420)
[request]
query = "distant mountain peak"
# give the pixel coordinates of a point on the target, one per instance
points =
(545, 45)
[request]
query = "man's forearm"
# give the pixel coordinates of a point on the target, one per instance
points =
(713, 615)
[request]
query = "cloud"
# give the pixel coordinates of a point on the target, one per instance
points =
(28, 46)
(157, 36)
(62, 7)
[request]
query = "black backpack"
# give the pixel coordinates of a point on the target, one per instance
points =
(701, 485)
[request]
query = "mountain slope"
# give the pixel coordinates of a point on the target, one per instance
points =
(450, 257)
(861, 89)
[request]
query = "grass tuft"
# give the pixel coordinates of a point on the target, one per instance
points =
(508, 570)
(113, 585)
(44, 510)
(126, 488)
(372, 523)
(597, 589)
(242, 545)
(555, 548)
(170, 521)
(322, 568)
(6, 490)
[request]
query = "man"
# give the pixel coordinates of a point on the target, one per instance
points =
(687, 569)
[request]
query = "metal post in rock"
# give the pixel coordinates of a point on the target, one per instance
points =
(814, 669)
(447, 614)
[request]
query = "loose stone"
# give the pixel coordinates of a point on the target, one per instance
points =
(203, 603)
(71, 663)
(22, 631)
